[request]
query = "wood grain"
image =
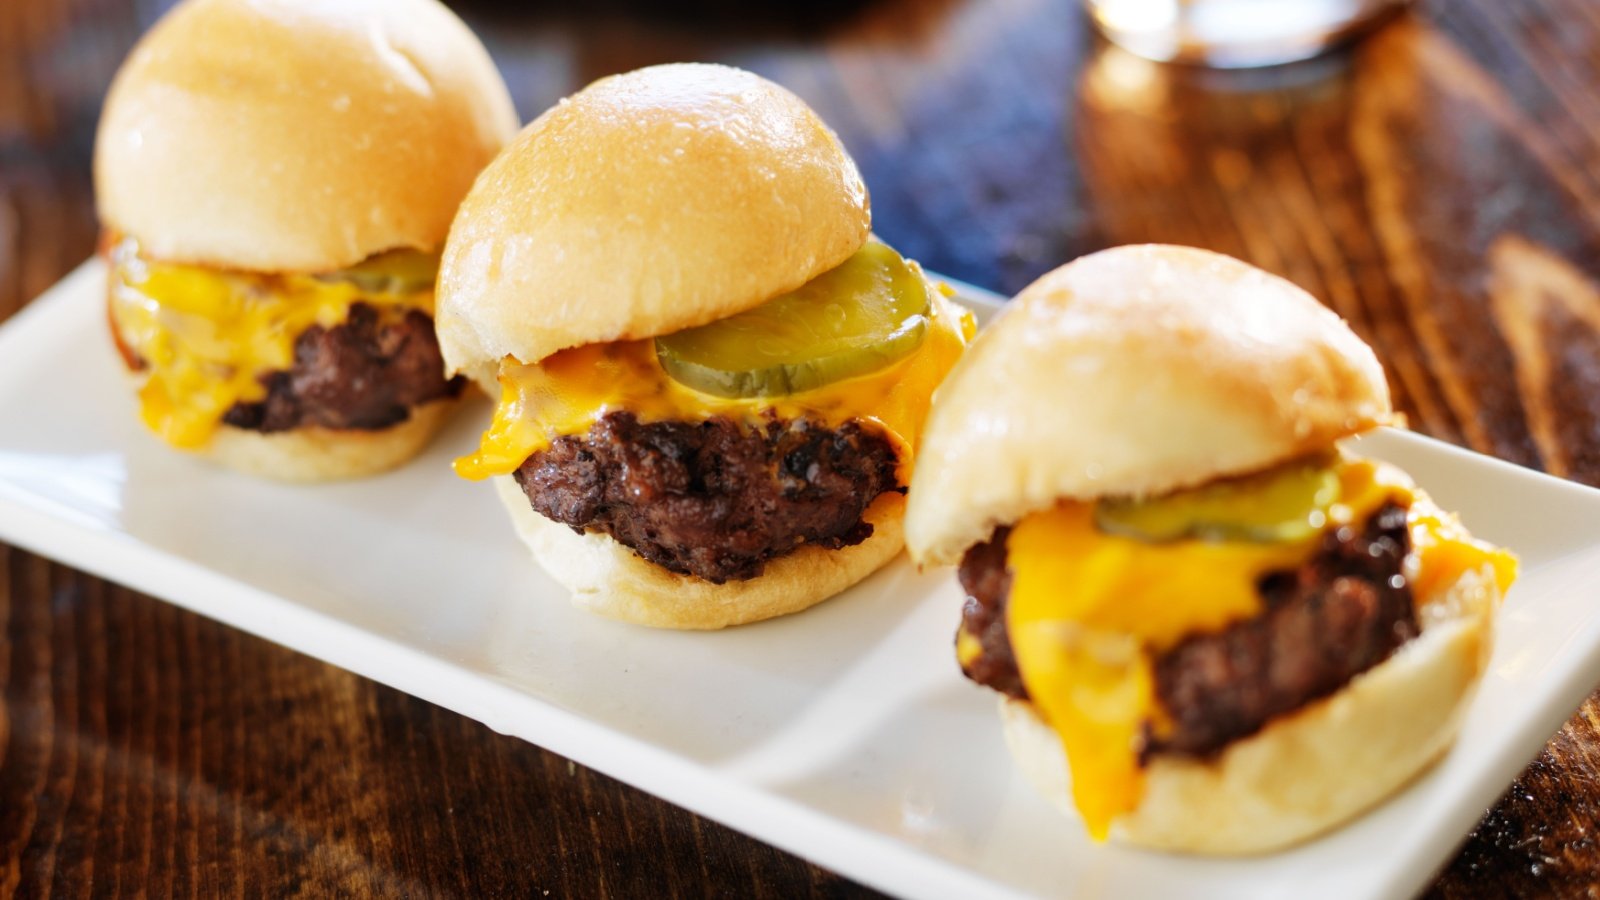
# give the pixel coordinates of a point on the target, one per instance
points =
(1438, 185)
(144, 750)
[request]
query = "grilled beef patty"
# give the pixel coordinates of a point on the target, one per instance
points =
(714, 499)
(366, 373)
(987, 582)
(1343, 611)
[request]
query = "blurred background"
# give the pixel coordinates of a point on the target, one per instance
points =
(1436, 182)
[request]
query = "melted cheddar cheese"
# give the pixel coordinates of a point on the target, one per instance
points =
(568, 392)
(204, 338)
(1088, 609)
(1442, 551)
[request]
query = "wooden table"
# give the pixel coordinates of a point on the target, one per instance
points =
(1439, 186)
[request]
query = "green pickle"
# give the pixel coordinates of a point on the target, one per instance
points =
(869, 312)
(394, 272)
(1287, 503)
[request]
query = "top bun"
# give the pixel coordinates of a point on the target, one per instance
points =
(1133, 371)
(297, 135)
(648, 202)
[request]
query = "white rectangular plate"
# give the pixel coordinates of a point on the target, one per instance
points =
(846, 734)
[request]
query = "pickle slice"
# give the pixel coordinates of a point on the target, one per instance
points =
(1288, 503)
(394, 272)
(870, 311)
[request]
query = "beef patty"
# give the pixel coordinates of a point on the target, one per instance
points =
(1343, 611)
(716, 499)
(366, 373)
(987, 581)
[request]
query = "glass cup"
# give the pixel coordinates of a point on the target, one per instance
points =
(1234, 34)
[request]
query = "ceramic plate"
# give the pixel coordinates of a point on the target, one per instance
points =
(846, 734)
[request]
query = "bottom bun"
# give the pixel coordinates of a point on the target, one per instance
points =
(1309, 771)
(607, 578)
(309, 455)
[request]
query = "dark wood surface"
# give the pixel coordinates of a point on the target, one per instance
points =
(1439, 186)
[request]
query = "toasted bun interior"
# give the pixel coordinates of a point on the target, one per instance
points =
(1309, 771)
(284, 135)
(646, 203)
(607, 578)
(1134, 371)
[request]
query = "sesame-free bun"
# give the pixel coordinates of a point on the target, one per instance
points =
(1133, 371)
(1308, 771)
(297, 135)
(648, 202)
(607, 578)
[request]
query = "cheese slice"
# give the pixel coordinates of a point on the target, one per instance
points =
(207, 336)
(1087, 611)
(568, 392)
(1443, 551)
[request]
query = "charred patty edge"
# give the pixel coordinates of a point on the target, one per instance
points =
(366, 373)
(353, 405)
(1344, 611)
(716, 498)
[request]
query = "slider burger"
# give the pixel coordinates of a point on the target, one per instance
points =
(712, 378)
(1232, 630)
(276, 178)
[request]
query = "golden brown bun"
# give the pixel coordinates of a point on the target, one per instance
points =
(311, 455)
(607, 578)
(646, 203)
(1133, 371)
(1310, 771)
(293, 135)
